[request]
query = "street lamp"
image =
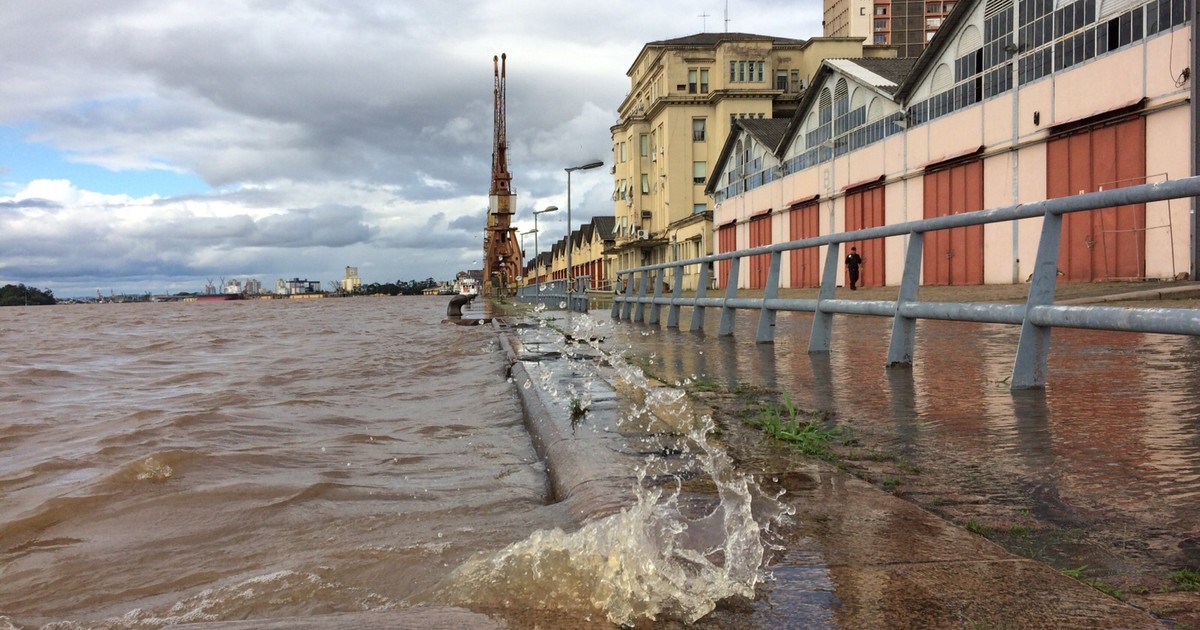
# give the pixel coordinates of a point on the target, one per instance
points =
(582, 167)
(522, 235)
(538, 277)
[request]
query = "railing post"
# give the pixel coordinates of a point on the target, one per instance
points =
(656, 308)
(904, 329)
(727, 311)
(676, 295)
(822, 327)
(1033, 348)
(639, 314)
(701, 292)
(766, 316)
(618, 296)
(630, 291)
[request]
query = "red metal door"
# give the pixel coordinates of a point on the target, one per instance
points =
(954, 256)
(726, 242)
(760, 234)
(805, 223)
(1109, 243)
(864, 209)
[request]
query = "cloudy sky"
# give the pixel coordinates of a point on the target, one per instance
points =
(149, 145)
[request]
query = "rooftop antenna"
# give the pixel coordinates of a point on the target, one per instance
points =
(704, 17)
(726, 16)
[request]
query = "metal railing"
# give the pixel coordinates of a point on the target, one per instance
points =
(1036, 317)
(553, 295)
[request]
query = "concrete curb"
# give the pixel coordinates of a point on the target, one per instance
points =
(588, 460)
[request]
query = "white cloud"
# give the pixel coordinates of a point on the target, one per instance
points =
(349, 133)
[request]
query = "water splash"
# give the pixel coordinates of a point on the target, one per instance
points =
(654, 559)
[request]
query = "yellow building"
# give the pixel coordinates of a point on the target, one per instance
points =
(591, 246)
(684, 95)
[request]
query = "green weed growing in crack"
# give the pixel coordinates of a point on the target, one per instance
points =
(1099, 585)
(785, 422)
(1186, 580)
(578, 412)
(975, 527)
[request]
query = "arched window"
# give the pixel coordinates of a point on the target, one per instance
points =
(874, 110)
(841, 106)
(943, 79)
(969, 41)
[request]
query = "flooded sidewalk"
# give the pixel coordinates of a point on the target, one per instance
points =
(1096, 475)
(853, 555)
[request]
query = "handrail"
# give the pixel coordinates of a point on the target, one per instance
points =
(1036, 318)
(554, 295)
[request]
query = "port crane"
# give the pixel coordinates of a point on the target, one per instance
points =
(502, 255)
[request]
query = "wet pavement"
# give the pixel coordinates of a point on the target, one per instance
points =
(855, 556)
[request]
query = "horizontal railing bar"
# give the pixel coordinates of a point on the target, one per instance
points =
(1170, 321)
(1176, 321)
(965, 312)
(880, 308)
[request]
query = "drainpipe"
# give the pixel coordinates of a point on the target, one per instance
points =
(1194, 257)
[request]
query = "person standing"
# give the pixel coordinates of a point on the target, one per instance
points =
(853, 261)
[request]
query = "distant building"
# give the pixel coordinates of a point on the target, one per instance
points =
(252, 286)
(296, 286)
(907, 25)
(468, 282)
(685, 95)
(351, 283)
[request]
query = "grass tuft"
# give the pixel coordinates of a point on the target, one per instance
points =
(785, 422)
(1186, 579)
(977, 528)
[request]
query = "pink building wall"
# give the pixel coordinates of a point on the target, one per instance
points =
(1015, 168)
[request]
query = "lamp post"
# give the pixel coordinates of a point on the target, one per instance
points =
(537, 276)
(522, 235)
(581, 167)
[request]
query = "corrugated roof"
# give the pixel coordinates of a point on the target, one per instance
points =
(885, 74)
(605, 225)
(768, 131)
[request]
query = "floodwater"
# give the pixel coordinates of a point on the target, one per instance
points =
(264, 460)
(1110, 450)
(164, 463)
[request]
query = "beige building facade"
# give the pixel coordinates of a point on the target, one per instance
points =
(685, 95)
(981, 121)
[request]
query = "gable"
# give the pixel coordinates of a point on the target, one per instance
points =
(984, 52)
(849, 106)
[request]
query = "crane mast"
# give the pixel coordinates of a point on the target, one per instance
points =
(502, 256)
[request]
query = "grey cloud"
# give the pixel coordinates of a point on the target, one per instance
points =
(329, 226)
(44, 204)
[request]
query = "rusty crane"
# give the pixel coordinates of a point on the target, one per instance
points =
(501, 253)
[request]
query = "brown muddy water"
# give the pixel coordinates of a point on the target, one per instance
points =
(290, 461)
(166, 463)
(1100, 471)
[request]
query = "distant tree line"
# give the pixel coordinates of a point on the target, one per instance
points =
(399, 287)
(20, 295)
